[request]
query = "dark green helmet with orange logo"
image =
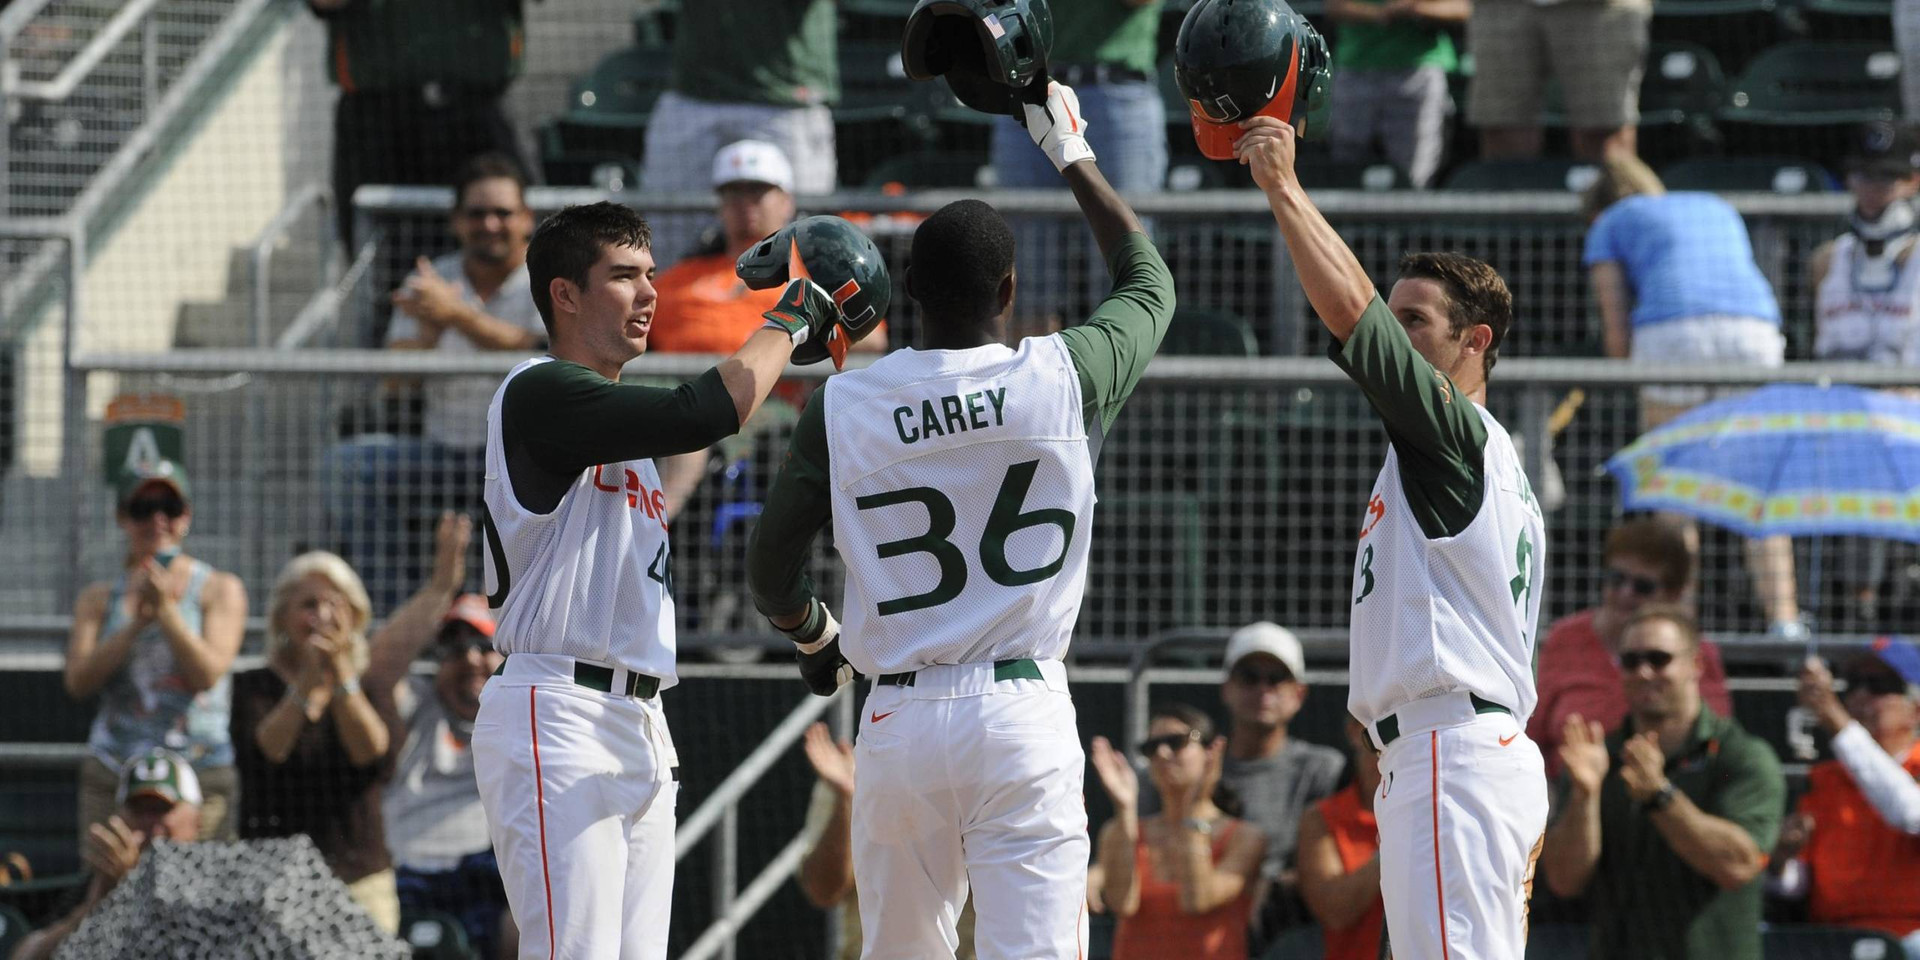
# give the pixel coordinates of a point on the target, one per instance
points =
(992, 52)
(840, 258)
(1236, 59)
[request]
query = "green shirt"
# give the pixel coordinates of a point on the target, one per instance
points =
(1440, 441)
(380, 45)
(1647, 904)
(560, 418)
(1109, 351)
(777, 52)
(1106, 31)
(1403, 45)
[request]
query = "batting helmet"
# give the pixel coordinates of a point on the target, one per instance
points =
(842, 260)
(1236, 59)
(992, 52)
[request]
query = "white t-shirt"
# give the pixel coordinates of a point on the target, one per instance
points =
(455, 406)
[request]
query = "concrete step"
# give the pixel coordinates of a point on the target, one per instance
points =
(229, 323)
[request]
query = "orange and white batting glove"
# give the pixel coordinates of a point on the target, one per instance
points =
(1058, 127)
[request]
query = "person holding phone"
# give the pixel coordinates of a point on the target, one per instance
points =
(156, 644)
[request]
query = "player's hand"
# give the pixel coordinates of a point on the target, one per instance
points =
(1116, 775)
(806, 312)
(1267, 150)
(450, 539)
(1643, 766)
(1058, 127)
(1817, 696)
(112, 849)
(832, 759)
(817, 642)
(1583, 751)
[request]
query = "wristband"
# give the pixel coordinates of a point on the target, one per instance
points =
(348, 687)
(1662, 799)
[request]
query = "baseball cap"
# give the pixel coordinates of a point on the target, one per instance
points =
(1268, 638)
(756, 161)
(162, 773)
(151, 471)
(1885, 148)
(472, 610)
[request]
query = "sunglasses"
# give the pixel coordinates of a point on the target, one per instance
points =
(478, 214)
(1657, 659)
(1261, 678)
(1877, 684)
(1150, 747)
(1641, 586)
(143, 508)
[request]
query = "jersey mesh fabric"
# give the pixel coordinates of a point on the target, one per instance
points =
(935, 443)
(1862, 320)
(1450, 614)
(589, 580)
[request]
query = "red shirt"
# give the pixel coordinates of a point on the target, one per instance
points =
(1865, 873)
(1356, 835)
(705, 308)
(1160, 929)
(1578, 675)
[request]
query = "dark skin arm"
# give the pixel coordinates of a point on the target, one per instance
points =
(1107, 215)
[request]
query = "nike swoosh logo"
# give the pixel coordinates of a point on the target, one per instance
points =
(877, 717)
(1507, 739)
(1275, 85)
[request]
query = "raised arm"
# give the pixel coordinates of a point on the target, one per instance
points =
(796, 510)
(393, 648)
(91, 660)
(1572, 847)
(1335, 283)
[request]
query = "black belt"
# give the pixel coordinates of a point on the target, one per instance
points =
(596, 677)
(1022, 669)
(1083, 74)
(1388, 727)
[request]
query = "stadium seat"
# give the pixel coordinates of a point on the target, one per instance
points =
(13, 929)
(897, 9)
(1809, 942)
(1710, 8)
(1785, 175)
(607, 114)
(435, 936)
(1812, 83)
(927, 169)
(873, 83)
(1850, 8)
(1208, 333)
(1683, 85)
(881, 113)
(1511, 175)
(1317, 172)
(38, 820)
(39, 900)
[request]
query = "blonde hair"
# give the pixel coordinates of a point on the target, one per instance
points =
(1621, 176)
(328, 567)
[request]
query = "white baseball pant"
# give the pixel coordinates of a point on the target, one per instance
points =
(964, 780)
(1462, 808)
(579, 792)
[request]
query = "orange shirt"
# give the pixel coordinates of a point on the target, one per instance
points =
(1865, 873)
(1160, 929)
(1356, 835)
(704, 308)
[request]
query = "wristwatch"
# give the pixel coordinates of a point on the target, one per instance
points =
(348, 687)
(1199, 825)
(1661, 799)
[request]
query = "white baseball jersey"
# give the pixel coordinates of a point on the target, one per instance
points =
(962, 498)
(591, 579)
(1869, 307)
(1431, 616)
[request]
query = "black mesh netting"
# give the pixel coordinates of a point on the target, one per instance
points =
(270, 899)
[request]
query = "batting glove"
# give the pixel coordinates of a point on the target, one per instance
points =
(1058, 126)
(806, 312)
(817, 640)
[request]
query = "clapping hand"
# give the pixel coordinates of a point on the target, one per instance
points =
(112, 849)
(427, 296)
(832, 759)
(1583, 751)
(1643, 766)
(450, 539)
(1116, 775)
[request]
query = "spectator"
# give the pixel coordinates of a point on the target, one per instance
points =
(420, 88)
(1340, 859)
(743, 70)
(474, 299)
(1104, 50)
(1182, 883)
(1854, 846)
(826, 873)
(159, 798)
(1393, 59)
(156, 645)
(1597, 49)
(310, 741)
(1275, 776)
(1646, 560)
(1676, 282)
(1668, 841)
(443, 856)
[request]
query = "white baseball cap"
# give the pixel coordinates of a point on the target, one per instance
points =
(161, 773)
(753, 160)
(1268, 638)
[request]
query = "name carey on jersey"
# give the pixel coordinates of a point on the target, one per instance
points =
(954, 413)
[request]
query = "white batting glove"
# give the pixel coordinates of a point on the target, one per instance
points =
(1058, 126)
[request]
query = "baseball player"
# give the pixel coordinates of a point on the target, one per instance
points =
(959, 482)
(570, 748)
(1446, 581)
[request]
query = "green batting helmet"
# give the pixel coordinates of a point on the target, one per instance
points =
(992, 52)
(1236, 59)
(842, 260)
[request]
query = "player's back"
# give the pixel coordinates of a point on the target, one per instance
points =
(962, 498)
